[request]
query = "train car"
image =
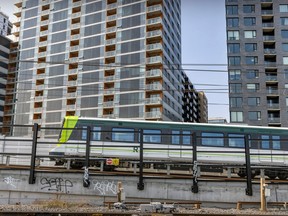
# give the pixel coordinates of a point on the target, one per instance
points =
(171, 142)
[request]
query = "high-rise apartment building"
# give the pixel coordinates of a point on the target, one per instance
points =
(5, 24)
(257, 41)
(95, 58)
(4, 57)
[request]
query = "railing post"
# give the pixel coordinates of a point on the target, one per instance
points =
(33, 154)
(249, 191)
(195, 167)
(140, 185)
(86, 181)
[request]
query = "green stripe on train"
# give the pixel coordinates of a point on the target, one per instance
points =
(69, 122)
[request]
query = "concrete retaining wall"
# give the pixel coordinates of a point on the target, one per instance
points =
(15, 188)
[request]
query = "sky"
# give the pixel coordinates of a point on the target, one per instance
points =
(203, 42)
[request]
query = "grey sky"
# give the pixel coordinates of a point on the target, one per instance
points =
(203, 42)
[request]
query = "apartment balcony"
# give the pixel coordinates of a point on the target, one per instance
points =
(38, 110)
(75, 15)
(74, 60)
(73, 71)
(269, 38)
(110, 54)
(72, 83)
(154, 11)
(267, 25)
(155, 22)
(15, 31)
(270, 64)
(75, 37)
(40, 87)
(154, 48)
(77, 4)
(111, 29)
(45, 2)
(155, 60)
(273, 105)
(18, 3)
(109, 78)
(41, 65)
(153, 73)
(42, 44)
(154, 87)
(45, 12)
(271, 78)
(44, 23)
(13, 60)
(156, 35)
(13, 50)
(71, 95)
(18, 12)
(17, 22)
(108, 104)
(110, 41)
(109, 116)
(43, 33)
(71, 107)
(9, 112)
(274, 120)
(38, 98)
(267, 12)
(266, 1)
(270, 51)
(42, 54)
(74, 48)
(41, 76)
(38, 121)
(153, 101)
(272, 91)
(75, 26)
(111, 6)
(153, 115)
(109, 91)
(111, 18)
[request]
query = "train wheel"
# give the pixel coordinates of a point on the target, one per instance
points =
(271, 174)
(282, 175)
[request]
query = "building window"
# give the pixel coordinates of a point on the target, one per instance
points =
(285, 60)
(252, 74)
(252, 87)
(254, 115)
(233, 35)
(286, 73)
(253, 101)
(236, 116)
(233, 48)
(234, 75)
(250, 47)
(286, 101)
(232, 22)
(249, 21)
(236, 102)
(248, 8)
(284, 20)
(235, 87)
(231, 9)
(283, 8)
(234, 60)
(284, 33)
(250, 34)
(285, 47)
(251, 60)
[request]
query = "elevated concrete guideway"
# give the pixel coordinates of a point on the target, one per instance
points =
(14, 188)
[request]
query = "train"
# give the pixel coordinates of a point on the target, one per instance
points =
(219, 146)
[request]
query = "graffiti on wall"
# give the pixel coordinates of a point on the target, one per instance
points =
(11, 181)
(56, 184)
(105, 187)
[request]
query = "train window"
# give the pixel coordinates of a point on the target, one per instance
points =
(276, 142)
(265, 141)
(84, 133)
(175, 137)
(186, 140)
(96, 134)
(123, 134)
(213, 139)
(236, 140)
(153, 136)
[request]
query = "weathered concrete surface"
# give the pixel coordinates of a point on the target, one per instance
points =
(14, 188)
